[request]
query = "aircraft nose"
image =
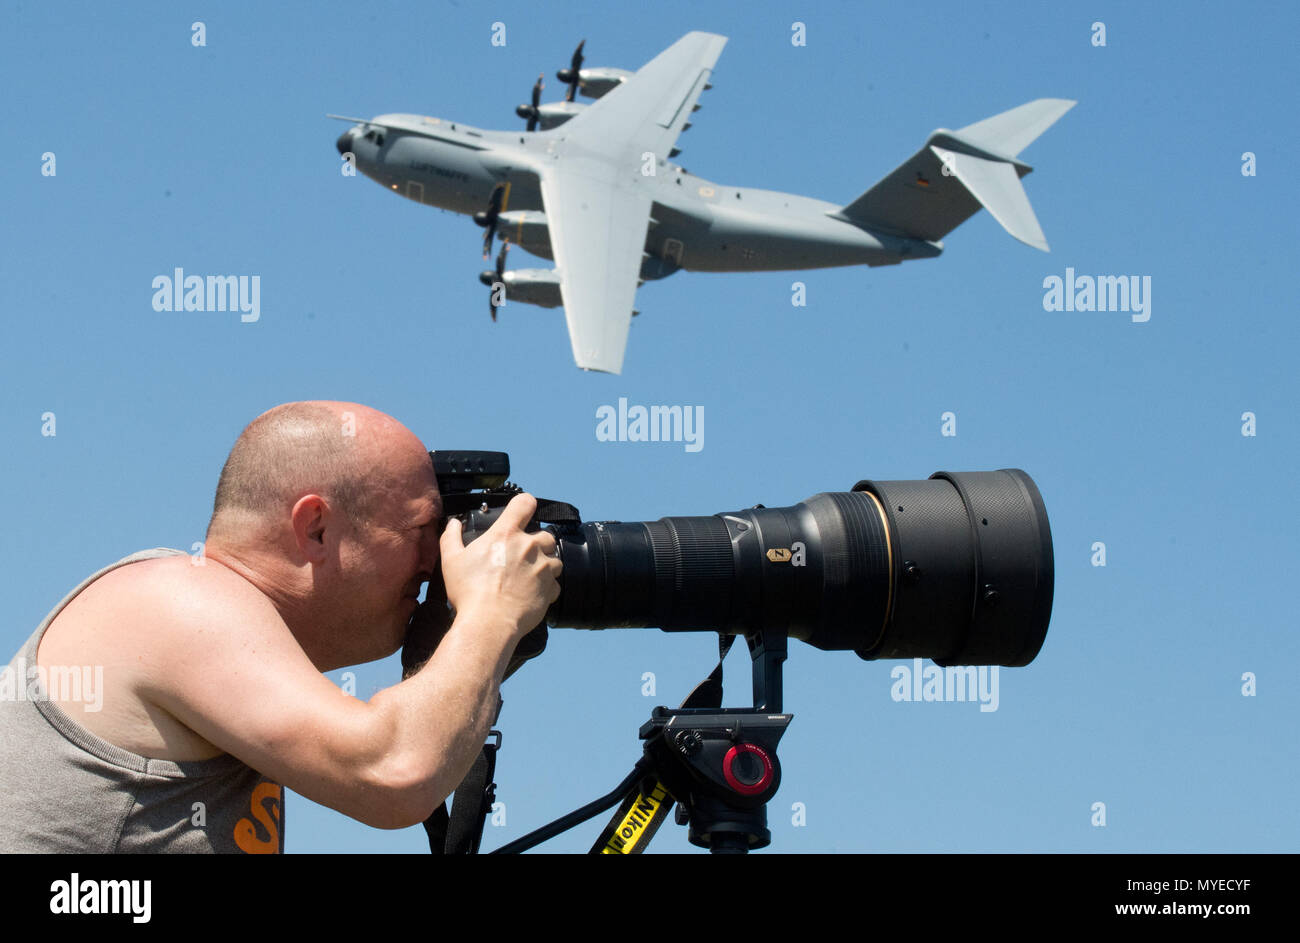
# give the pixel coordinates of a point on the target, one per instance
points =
(344, 143)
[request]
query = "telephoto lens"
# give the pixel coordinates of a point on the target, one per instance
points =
(957, 568)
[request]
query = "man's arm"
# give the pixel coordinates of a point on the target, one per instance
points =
(241, 681)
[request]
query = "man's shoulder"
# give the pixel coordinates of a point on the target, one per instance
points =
(157, 627)
(151, 601)
(179, 586)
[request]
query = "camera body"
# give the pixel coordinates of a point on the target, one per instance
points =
(475, 489)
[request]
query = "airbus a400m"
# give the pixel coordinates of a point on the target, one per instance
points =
(593, 188)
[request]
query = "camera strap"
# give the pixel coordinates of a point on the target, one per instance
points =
(708, 693)
(460, 831)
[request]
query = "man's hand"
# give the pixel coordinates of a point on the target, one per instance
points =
(507, 577)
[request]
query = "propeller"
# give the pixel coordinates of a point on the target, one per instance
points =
(571, 75)
(530, 111)
(491, 278)
(488, 218)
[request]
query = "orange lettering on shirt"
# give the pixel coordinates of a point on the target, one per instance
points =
(268, 815)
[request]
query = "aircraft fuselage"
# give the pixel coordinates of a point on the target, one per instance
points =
(696, 225)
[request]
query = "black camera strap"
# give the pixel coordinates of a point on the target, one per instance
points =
(460, 831)
(708, 693)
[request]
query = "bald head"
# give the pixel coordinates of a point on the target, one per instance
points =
(343, 452)
(330, 510)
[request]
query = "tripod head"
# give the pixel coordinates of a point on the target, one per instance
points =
(718, 764)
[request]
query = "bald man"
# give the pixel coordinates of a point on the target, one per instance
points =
(324, 528)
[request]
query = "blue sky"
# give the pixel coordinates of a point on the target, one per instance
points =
(219, 160)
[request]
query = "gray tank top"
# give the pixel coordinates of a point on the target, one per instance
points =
(63, 789)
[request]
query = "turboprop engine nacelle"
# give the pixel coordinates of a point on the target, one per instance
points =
(534, 286)
(552, 114)
(527, 229)
(595, 83)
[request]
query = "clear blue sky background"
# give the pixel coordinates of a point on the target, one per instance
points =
(220, 160)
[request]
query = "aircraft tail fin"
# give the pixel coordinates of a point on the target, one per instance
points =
(947, 181)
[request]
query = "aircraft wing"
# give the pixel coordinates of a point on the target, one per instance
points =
(596, 211)
(597, 229)
(649, 110)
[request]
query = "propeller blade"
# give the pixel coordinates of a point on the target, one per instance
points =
(530, 111)
(571, 75)
(488, 219)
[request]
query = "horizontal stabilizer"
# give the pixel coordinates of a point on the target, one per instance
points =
(996, 184)
(1012, 131)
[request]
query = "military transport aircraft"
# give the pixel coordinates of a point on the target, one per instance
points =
(592, 187)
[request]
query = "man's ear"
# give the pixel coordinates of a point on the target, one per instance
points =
(308, 518)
